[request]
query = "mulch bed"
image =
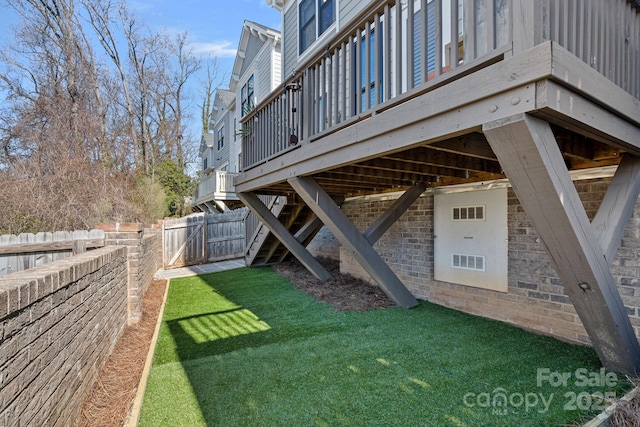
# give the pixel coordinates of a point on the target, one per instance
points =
(110, 400)
(343, 291)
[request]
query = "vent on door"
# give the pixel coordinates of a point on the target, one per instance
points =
(467, 262)
(468, 213)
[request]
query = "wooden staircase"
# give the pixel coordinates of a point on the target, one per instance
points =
(264, 248)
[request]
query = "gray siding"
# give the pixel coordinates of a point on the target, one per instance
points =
(262, 74)
(222, 156)
(253, 47)
(349, 9)
(290, 41)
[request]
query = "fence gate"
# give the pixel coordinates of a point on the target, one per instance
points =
(201, 238)
(225, 235)
(183, 241)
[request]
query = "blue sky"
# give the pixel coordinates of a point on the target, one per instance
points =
(214, 26)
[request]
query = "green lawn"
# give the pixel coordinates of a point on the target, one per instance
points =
(246, 348)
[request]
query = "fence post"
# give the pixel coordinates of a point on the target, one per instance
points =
(79, 247)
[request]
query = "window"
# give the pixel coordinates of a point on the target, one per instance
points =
(246, 97)
(315, 17)
(205, 163)
(220, 138)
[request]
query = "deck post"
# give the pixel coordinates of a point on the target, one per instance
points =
(279, 230)
(351, 239)
(529, 154)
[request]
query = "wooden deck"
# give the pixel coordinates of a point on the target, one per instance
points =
(560, 93)
(433, 135)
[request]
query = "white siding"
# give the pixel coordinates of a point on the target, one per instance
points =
(276, 66)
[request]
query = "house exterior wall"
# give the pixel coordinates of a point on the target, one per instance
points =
(276, 66)
(289, 40)
(349, 9)
(253, 48)
(264, 72)
(535, 300)
(221, 157)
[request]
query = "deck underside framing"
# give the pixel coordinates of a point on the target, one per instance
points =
(567, 116)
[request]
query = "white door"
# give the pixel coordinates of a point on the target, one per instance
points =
(470, 238)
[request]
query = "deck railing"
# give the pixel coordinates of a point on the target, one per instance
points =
(219, 183)
(603, 33)
(397, 48)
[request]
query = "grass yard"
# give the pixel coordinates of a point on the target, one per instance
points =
(246, 348)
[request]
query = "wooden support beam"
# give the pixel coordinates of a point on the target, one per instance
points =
(271, 222)
(530, 156)
(351, 239)
(308, 228)
(617, 206)
(312, 224)
(387, 219)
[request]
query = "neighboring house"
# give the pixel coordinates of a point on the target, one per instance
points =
(256, 73)
(500, 177)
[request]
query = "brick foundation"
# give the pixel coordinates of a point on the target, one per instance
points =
(535, 300)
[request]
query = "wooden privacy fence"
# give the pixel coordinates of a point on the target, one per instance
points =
(26, 250)
(202, 238)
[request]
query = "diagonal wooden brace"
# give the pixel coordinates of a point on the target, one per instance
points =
(351, 239)
(280, 231)
(529, 154)
(617, 206)
(387, 219)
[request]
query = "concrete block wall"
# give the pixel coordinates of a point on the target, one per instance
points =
(535, 300)
(58, 323)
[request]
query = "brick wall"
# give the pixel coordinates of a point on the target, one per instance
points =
(535, 299)
(58, 323)
(144, 259)
(324, 244)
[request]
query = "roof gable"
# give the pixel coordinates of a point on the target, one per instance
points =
(251, 31)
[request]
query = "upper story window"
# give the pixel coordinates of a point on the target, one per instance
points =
(246, 97)
(315, 16)
(220, 138)
(205, 163)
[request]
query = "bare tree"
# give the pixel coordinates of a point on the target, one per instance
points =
(78, 137)
(100, 17)
(209, 86)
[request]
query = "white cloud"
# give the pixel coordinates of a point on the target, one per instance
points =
(221, 49)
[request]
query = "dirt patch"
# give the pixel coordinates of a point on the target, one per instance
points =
(342, 291)
(110, 400)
